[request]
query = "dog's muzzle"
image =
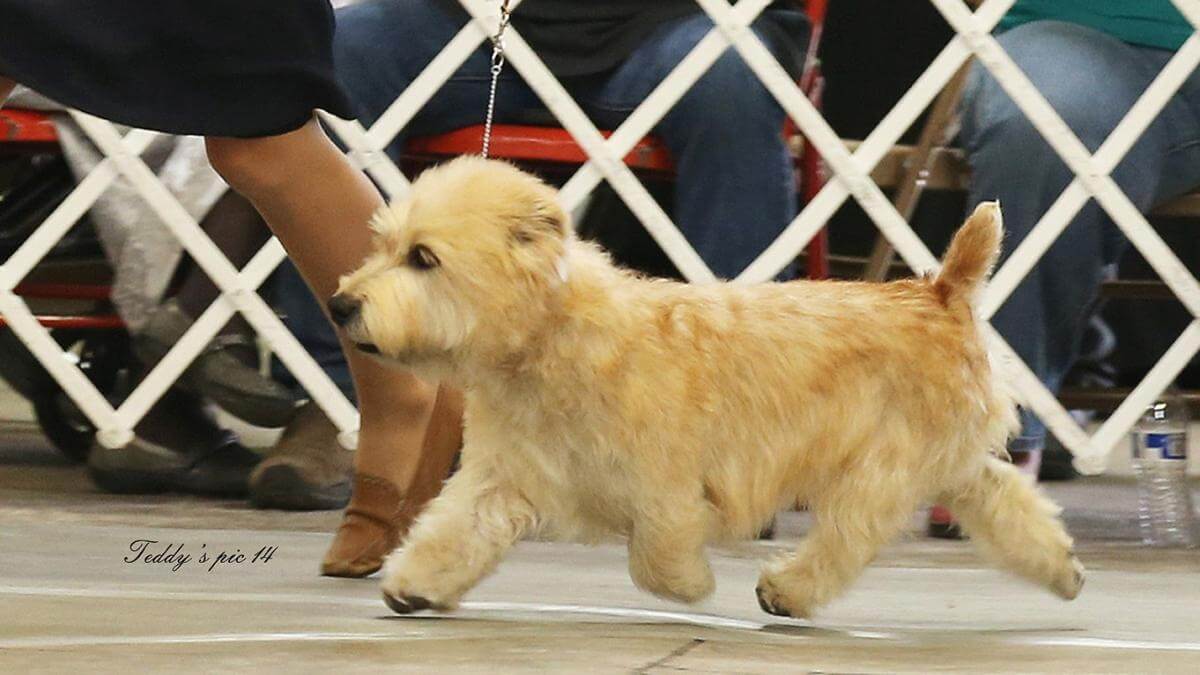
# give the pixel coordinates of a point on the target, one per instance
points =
(343, 309)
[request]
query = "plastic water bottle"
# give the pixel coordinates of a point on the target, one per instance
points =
(1165, 512)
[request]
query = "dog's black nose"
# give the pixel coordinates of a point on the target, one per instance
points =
(343, 308)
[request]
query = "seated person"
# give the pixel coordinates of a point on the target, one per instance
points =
(158, 292)
(307, 469)
(1091, 60)
(735, 190)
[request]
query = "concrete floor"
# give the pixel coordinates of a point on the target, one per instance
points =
(70, 603)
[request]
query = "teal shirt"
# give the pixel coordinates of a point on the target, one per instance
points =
(1151, 23)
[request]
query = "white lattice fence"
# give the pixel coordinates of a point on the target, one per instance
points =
(852, 179)
(238, 293)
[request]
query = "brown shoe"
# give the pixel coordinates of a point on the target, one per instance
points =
(307, 470)
(379, 516)
(376, 520)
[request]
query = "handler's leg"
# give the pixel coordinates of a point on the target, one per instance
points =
(318, 205)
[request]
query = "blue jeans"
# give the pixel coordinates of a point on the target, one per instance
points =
(1091, 79)
(302, 315)
(735, 190)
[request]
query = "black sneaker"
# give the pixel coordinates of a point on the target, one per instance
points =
(178, 447)
(1057, 462)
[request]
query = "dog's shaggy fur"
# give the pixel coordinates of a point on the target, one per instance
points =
(600, 402)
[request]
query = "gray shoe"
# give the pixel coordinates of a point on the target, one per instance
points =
(218, 374)
(307, 470)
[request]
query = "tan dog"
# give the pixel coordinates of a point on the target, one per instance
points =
(599, 402)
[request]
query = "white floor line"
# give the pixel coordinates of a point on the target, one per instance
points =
(204, 638)
(125, 594)
(1103, 643)
(706, 620)
(620, 612)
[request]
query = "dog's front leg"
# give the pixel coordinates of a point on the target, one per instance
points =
(666, 546)
(456, 542)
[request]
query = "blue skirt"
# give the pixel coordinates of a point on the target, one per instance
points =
(244, 68)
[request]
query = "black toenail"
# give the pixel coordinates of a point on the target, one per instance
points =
(767, 606)
(397, 605)
(407, 604)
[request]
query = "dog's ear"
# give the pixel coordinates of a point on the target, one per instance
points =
(545, 219)
(389, 218)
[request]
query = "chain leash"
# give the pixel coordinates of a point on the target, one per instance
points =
(497, 67)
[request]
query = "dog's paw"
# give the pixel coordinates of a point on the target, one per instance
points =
(412, 584)
(687, 581)
(773, 602)
(1070, 580)
(768, 602)
(404, 596)
(688, 594)
(406, 604)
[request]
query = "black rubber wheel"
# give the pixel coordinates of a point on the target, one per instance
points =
(19, 369)
(102, 358)
(101, 355)
(64, 425)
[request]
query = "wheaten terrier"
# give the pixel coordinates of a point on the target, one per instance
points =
(600, 402)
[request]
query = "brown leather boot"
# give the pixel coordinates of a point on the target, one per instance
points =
(379, 516)
(374, 522)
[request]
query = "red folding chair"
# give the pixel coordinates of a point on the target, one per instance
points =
(23, 130)
(553, 145)
(68, 300)
(31, 132)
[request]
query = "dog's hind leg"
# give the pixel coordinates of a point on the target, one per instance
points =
(854, 519)
(1014, 524)
(458, 540)
(666, 545)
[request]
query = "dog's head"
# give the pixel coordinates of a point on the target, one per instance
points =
(470, 261)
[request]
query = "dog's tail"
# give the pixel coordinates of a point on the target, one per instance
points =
(971, 255)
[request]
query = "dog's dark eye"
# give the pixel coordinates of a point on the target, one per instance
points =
(420, 257)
